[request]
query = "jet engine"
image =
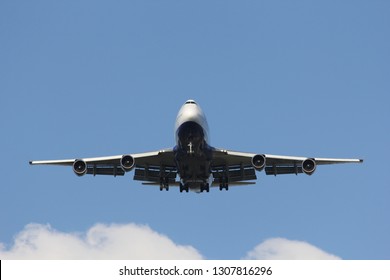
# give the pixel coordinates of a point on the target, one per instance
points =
(127, 163)
(80, 167)
(309, 166)
(258, 162)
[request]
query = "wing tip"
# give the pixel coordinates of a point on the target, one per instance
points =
(360, 160)
(30, 162)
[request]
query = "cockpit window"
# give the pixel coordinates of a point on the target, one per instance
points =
(190, 102)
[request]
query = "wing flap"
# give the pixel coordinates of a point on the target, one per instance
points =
(281, 170)
(234, 174)
(155, 174)
(112, 171)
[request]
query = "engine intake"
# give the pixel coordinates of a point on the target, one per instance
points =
(258, 162)
(309, 166)
(127, 163)
(80, 167)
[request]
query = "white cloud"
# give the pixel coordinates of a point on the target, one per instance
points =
(128, 241)
(284, 249)
(132, 241)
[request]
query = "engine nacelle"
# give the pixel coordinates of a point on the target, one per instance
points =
(80, 167)
(309, 166)
(258, 162)
(127, 163)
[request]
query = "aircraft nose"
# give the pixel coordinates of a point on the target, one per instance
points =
(190, 101)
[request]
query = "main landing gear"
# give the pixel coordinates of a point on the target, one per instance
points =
(184, 187)
(223, 184)
(205, 187)
(164, 184)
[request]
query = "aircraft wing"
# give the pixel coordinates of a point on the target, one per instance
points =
(149, 167)
(238, 166)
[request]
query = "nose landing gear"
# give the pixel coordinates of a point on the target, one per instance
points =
(190, 148)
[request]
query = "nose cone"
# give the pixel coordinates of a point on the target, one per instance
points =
(191, 112)
(190, 101)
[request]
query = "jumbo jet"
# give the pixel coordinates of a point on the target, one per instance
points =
(198, 165)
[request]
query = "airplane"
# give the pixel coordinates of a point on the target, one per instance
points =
(198, 165)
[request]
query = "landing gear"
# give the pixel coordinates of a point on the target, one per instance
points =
(223, 184)
(184, 187)
(221, 187)
(205, 187)
(164, 184)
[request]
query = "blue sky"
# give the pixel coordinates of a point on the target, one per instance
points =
(96, 78)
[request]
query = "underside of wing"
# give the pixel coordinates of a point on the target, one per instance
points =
(232, 166)
(156, 167)
(149, 167)
(97, 166)
(278, 165)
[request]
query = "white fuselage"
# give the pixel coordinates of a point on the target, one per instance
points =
(191, 112)
(193, 154)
